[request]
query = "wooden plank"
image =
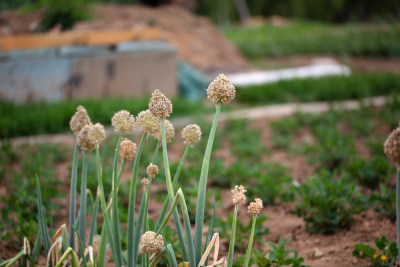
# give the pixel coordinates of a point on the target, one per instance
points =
(37, 41)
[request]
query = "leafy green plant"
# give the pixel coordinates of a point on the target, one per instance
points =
(384, 255)
(278, 256)
(369, 173)
(384, 202)
(327, 204)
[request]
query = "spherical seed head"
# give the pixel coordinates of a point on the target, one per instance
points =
(191, 134)
(97, 134)
(127, 150)
(152, 170)
(150, 244)
(160, 106)
(392, 147)
(169, 132)
(145, 183)
(255, 207)
(83, 140)
(123, 122)
(238, 194)
(221, 90)
(147, 122)
(79, 120)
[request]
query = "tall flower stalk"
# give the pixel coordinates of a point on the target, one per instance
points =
(253, 209)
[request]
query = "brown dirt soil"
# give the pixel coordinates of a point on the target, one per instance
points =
(199, 42)
(330, 250)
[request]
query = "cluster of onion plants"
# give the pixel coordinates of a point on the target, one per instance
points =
(76, 244)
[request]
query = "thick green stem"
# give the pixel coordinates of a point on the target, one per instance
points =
(232, 239)
(72, 197)
(107, 223)
(248, 252)
(398, 210)
(131, 209)
(69, 251)
(115, 212)
(201, 195)
(174, 182)
(171, 194)
(82, 213)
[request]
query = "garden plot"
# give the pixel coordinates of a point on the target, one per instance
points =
(340, 149)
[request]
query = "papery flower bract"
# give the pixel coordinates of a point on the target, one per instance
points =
(255, 207)
(169, 132)
(127, 150)
(83, 140)
(123, 122)
(79, 120)
(147, 122)
(392, 147)
(150, 244)
(152, 170)
(97, 134)
(145, 183)
(238, 194)
(191, 134)
(160, 106)
(221, 90)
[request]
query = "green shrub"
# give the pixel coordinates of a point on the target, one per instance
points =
(327, 204)
(384, 202)
(384, 255)
(370, 173)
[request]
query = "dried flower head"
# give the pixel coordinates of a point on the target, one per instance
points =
(221, 90)
(191, 134)
(83, 139)
(238, 194)
(150, 244)
(97, 134)
(147, 122)
(392, 147)
(255, 207)
(145, 183)
(79, 120)
(160, 106)
(127, 150)
(123, 122)
(152, 170)
(169, 132)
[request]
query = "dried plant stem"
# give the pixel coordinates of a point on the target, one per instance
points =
(115, 212)
(174, 182)
(232, 239)
(131, 208)
(398, 209)
(201, 196)
(189, 254)
(248, 252)
(82, 213)
(72, 199)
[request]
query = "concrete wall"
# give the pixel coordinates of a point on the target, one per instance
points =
(130, 70)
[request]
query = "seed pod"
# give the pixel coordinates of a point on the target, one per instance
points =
(83, 140)
(147, 122)
(191, 134)
(150, 244)
(79, 120)
(169, 132)
(238, 195)
(160, 106)
(152, 170)
(392, 147)
(221, 90)
(255, 207)
(145, 183)
(97, 134)
(127, 150)
(123, 122)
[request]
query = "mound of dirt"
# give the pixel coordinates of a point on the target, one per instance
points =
(199, 42)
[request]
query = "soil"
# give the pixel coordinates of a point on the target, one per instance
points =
(329, 250)
(199, 42)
